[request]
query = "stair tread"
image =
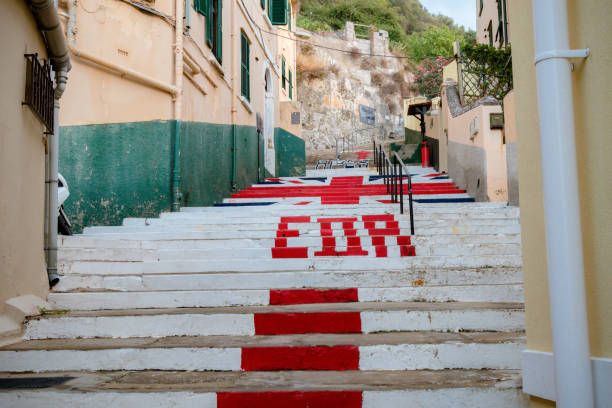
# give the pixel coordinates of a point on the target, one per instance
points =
(299, 340)
(303, 308)
(256, 381)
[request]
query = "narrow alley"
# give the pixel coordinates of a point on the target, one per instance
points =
(300, 291)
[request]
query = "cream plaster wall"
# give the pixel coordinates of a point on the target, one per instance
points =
(22, 162)
(589, 27)
(121, 34)
(489, 13)
(487, 144)
(286, 108)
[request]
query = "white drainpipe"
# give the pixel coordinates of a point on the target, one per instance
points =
(573, 376)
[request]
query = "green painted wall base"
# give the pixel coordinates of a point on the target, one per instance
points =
(124, 170)
(290, 154)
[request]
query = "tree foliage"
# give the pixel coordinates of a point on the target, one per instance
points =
(435, 42)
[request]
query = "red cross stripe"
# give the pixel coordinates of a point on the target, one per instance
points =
(379, 227)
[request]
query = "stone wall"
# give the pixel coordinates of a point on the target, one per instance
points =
(332, 84)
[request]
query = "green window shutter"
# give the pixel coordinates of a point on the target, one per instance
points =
(219, 47)
(209, 22)
(201, 6)
(263, 4)
(290, 85)
(284, 78)
(278, 12)
(289, 16)
(245, 75)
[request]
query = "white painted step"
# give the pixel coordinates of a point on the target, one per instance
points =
(172, 234)
(393, 250)
(217, 298)
(456, 355)
(277, 265)
(433, 317)
(292, 280)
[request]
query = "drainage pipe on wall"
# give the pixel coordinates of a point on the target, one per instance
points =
(47, 19)
(573, 377)
(234, 95)
(178, 105)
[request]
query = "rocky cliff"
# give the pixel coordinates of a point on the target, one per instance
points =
(338, 72)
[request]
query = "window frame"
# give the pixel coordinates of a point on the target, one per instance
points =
(290, 85)
(284, 76)
(245, 66)
(214, 28)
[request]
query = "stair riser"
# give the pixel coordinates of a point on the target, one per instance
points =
(511, 228)
(73, 243)
(302, 227)
(393, 250)
(377, 357)
(244, 324)
(278, 265)
(292, 280)
(440, 398)
(209, 298)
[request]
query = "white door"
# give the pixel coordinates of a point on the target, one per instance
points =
(269, 152)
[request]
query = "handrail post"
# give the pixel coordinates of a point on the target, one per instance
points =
(401, 192)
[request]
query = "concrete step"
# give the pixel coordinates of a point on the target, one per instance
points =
(381, 351)
(286, 389)
(423, 241)
(361, 263)
(428, 277)
(228, 233)
(252, 297)
(360, 317)
(266, 219)
(393, 250)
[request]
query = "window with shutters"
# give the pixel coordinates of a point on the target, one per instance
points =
(481, 7)
(277, 11)
(214, 32)
(283, 76)
(490, 31)
(499, 36)
(201, 6)
(289, 16)
(245, 74)
(290, 85)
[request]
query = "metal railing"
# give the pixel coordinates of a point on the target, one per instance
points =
(393, 177)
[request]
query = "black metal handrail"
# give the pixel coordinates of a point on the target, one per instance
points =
(393, 177)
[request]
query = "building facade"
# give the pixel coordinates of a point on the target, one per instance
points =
(589, 26)
(26, 127)
(175, 103)
(492, 23)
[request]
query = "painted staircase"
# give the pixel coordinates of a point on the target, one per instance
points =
(298, 292)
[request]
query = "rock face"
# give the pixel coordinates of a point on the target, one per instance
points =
(333, 83)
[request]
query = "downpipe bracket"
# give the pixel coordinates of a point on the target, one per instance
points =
(563, 54)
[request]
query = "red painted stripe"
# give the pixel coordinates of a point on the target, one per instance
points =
(384, 231)
(383, 217)
(350, 232)
(292, 252)
(283, 226)
(280, 243)
(295, 182)
(290, 399)
(329, 241)
(287, 233)
(403, 240)
(338, 219)
(353, 241)
(295, 219)
(378, 241)
(303, 203)
(385, 201)
(392, 224)
(302, 323)
(338, 358)
(381, 251)
(407, 250)
(309, 296)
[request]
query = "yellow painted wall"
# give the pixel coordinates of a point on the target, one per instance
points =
(589, 27)
(120, 34)
(22, 162)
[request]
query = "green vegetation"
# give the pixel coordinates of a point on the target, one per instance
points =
(412, 29)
